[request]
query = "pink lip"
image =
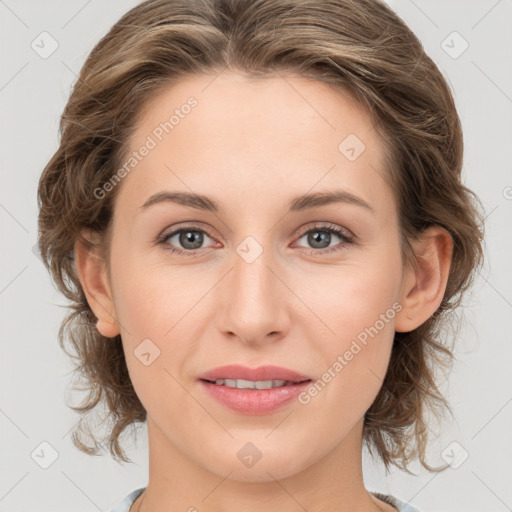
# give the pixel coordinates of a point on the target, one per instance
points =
(268, 372)
(254, 401)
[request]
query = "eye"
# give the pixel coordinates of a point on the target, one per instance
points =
(320, 238)
(191, 238)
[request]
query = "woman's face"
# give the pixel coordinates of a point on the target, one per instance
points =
(256, 282)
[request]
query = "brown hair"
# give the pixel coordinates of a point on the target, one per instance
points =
(359, 46)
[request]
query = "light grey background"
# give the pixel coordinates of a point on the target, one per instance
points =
(35, 373)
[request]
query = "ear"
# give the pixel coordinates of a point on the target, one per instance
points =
(92, 272)
(424, 283)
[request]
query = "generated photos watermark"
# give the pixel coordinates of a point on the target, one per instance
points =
(358, 344)
(152, 141)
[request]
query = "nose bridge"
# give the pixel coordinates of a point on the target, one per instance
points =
(253, 283)
(253, 305)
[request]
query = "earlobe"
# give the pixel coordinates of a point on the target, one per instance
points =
(92, 272)
(424, 283)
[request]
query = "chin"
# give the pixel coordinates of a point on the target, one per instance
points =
(256, 462)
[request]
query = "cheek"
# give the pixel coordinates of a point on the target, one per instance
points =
(358, 307)
(347, 300)
(352, 298)
(150, 301)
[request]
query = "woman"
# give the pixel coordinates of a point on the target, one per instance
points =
(257, 211)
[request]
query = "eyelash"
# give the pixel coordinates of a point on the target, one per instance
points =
(346, 237)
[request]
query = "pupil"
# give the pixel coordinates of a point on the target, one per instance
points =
(314, 239)
(188, 237)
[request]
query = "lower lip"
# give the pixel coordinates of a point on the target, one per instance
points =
(254, 401)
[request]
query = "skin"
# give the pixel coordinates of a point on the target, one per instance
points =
(253, 145)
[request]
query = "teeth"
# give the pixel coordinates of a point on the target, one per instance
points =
(251, 384)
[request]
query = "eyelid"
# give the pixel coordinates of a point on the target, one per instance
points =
(326, 225)
(182, 226)
(305, 229)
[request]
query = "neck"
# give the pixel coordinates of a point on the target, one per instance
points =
(176, 482)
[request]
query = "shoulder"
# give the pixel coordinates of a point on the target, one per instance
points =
(395, 502)
(125, 505)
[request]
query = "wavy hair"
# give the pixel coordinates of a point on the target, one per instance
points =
(358, 46)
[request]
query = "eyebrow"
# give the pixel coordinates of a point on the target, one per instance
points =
(300, 203)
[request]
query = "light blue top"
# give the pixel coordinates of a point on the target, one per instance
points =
(125, 505)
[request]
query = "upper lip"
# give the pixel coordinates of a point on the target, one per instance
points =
(268, 372)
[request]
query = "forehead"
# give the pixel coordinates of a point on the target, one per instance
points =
(232, 134)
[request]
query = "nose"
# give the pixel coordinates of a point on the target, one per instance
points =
(253, 299)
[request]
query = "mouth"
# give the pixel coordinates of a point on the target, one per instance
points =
(247, 390)
(254, 384)
(244, 377)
